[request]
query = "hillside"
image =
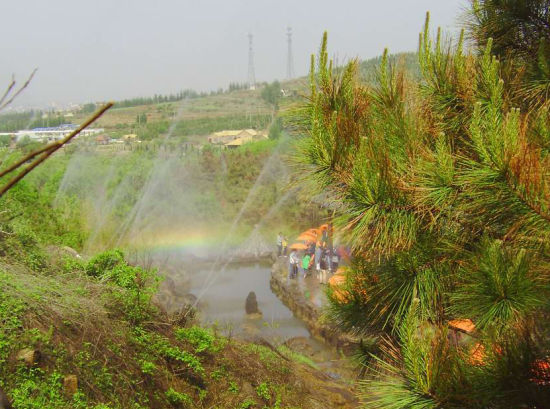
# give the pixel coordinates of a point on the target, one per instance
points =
(86, 332)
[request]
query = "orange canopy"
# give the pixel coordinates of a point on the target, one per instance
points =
(307, 236)
(323, 227)
(298, 246)
(315, 231)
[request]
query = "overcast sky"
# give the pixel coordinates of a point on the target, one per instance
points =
(112, 49)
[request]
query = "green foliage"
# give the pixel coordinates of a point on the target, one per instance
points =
(272, 94)
(148, 368)
(38, 390)
(88, 108)
(148, 131)
(441, 189)
(160, 346)
(276, 128)
(499, 289)
(5, 140)
(263, 391)
(139, 284)
(157, 99)
(297, 357)
(104, 262)
(233, 387)
(202, 339)
(178, 398)
(247, 403)
(11, 122)
(518, 34)
(208, 125)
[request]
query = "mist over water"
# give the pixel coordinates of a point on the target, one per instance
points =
(169, 207)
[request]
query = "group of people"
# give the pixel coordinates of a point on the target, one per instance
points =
(318, 257)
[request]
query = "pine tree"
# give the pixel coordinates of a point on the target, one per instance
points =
(519, 31)
(441, 187)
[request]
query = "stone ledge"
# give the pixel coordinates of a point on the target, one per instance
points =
(293, 297)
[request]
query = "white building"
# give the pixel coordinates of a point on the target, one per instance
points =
(51, 134)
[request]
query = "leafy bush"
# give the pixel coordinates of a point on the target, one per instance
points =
(104, 262)
(201, 338)
(178, 398)
(160, 346)
(262, 390)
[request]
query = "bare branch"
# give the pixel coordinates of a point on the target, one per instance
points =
(8, 90)
(16, 93)
(48, 150)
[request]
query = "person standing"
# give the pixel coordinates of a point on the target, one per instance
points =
(335, 260)
(305, 264)
(285, 245)
(279, 244)
(293, 260)
(324, 237)
(318, 256)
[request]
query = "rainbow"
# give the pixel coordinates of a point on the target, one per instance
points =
(178, 239)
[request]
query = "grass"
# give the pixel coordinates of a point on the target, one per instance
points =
(80, 328)
(297, 357)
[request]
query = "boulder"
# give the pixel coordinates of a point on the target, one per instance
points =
(70, 251)
(70, 385)
(251, 305)
(29, 356)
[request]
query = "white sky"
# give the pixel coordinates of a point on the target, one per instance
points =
(114, 49)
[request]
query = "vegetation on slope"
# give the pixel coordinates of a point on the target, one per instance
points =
(84, 333)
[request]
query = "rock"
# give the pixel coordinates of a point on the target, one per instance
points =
(301, 345)
(255, 316)
(29, 356)
(70, 385)
(70, 251)
(4, 401)
(251, 305)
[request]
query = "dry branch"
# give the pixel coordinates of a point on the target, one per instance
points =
(10, 88)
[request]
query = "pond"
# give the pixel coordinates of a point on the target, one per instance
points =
(223, 302)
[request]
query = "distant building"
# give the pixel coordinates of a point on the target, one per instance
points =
(239, 142)
(242, 135)
(54, 133)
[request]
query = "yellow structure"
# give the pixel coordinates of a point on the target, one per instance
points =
(233, 138)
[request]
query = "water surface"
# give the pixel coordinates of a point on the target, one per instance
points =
(224, 301)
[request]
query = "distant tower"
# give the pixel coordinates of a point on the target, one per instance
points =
(251, 75)
(289, 59)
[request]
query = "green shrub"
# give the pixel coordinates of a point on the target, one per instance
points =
(147, 367)
(201, 338)
(178, 398)
(248, 403)
(103, 262)
(262, 390)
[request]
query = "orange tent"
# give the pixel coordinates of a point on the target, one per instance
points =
(323, 227)
(307, 236)
(315, 231)
(298, 246)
